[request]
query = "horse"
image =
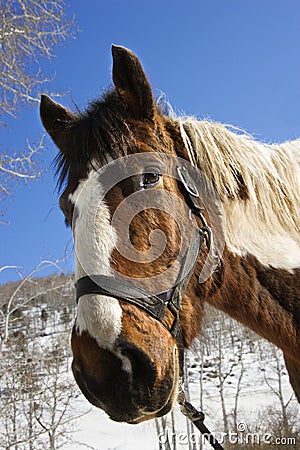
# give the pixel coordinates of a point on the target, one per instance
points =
(133, 322)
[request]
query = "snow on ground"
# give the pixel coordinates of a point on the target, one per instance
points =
(97, 432)
(227, 350)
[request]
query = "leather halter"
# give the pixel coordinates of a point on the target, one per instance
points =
(157, 305)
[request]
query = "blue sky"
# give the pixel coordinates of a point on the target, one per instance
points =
(234, 61)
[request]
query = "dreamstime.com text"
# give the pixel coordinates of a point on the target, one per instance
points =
(240, 437)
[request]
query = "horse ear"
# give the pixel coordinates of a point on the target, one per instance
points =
(55, 117)
(132, 84)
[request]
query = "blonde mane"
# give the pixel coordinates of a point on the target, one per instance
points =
(266, 221)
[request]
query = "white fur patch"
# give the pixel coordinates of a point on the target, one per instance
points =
(246, 233)
(266, 224)
(94, 240)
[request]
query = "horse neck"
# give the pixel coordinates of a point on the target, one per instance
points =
(264, 299)
(258, 185)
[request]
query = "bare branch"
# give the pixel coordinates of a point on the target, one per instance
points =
(9, 267)
(14, 303)
(19, 167)
(29, 30)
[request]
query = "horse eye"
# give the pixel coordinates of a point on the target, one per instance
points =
(150, 179)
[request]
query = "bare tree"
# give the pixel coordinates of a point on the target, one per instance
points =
(275, 380)
(29, 31)
(36, 387)
(19, 167)
(37, 392)
(27, 290)
(238, 386)
(51, 410)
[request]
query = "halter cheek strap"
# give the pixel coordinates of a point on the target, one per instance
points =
(154, 305)
(157, 305)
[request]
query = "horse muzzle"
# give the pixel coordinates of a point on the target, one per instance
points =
(125, 382)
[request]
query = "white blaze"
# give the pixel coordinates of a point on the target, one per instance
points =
(94, 240)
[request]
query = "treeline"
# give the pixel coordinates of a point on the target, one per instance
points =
(36, 386)
(227, 365)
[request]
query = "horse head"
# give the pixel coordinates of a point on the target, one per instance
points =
(129, 198)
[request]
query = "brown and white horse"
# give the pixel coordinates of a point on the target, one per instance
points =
(125, 360)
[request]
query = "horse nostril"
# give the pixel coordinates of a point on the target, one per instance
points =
(142, 368)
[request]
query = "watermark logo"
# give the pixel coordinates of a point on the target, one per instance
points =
(159, 211)
(242, 436)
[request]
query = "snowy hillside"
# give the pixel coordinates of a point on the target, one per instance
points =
(238, 379)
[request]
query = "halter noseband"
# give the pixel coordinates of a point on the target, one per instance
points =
(157, 305)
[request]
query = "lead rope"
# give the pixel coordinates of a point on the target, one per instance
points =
(197, 417)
